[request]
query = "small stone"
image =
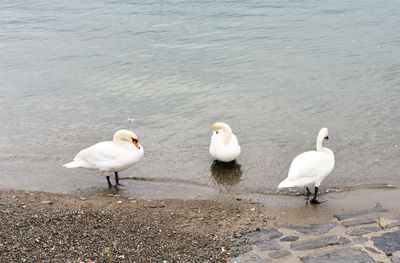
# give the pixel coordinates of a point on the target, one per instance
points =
(47, 202)
(359, 222)
(279, 254)
(343, 255)
(82, 198)
(119, 202)
(363, 231)
(240, 248)
(289, 239)
(244, 258)
(385, 222)
(319, 242)
(130, 198)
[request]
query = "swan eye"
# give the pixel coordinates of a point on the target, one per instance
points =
(326, 138)
(216, 132)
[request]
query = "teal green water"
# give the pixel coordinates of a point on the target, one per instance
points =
(73, 72)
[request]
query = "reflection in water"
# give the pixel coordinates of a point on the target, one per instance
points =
(226, 173)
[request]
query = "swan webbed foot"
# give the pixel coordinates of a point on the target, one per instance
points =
(316, 202)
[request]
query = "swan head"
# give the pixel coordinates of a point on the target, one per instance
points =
(218, 126)
(323, 133)
(126, 136)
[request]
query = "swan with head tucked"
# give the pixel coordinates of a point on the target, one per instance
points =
(310, 168)
(224, 145)
(110, 156)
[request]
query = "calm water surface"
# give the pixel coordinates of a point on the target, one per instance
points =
(73, 72)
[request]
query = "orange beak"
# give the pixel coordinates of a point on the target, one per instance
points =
(136, 144)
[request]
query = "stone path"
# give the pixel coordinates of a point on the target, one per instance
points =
(366, 236)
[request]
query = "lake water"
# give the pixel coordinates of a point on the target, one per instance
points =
(73, 72)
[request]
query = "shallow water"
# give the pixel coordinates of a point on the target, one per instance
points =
(73, 72)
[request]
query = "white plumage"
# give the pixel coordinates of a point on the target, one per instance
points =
(224, 145)
(110, 156)
(310, 168)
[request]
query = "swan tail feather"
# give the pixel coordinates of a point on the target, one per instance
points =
(286, 183)
(72, 164)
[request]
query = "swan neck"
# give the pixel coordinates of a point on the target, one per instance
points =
(319, 143)
(227, 133)
(117, 139)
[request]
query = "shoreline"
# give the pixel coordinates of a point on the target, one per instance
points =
(46, 227)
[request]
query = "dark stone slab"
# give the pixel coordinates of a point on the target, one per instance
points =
(360, 240)
(393, 225)
(260, 236)
(314, 229)
(269, 245)
(359, 222)
(319, 242)
(343, 255)
(245, 258)
(388, 243)
(372, 250)
(289, 239)
(279, 254)
(377, 208)
(363, 231)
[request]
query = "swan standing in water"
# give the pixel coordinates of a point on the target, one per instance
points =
(224, 145)
(110, 156)
(310, 168)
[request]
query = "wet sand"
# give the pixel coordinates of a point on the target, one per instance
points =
(38, 226)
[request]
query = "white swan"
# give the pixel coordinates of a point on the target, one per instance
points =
(118, 155)
(224, 145)
(310, 168)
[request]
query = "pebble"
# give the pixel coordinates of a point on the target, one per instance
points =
(47, 202)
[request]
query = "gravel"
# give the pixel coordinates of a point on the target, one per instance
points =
(43, 227)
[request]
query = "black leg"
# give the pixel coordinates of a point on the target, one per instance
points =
(308, 192)
(314, 200)
(117, 179)
(108, 180)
